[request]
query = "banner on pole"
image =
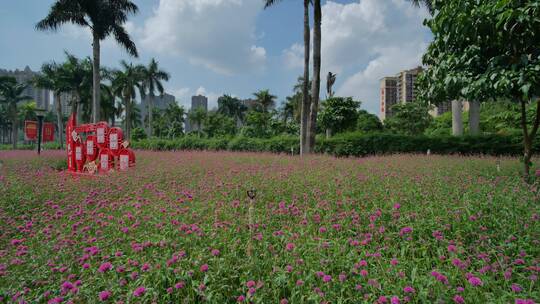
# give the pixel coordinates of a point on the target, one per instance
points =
(48, 131)
(30, 130)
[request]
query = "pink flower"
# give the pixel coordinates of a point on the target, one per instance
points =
(327, 278)
(179, 285)
(289, 246)
(405, 230)
(145, 267)
(475, 281)
(394, 262)
(394, 300)
(524, 301)
(516, 288)
(458, 299)
(139, 291)
(105, 266)
(104, 295)
(250, 284)
(452, 248)
(215, 252)
(204, 268)
(240, 298)
(283, 301)
(408, 289)
(397, 206)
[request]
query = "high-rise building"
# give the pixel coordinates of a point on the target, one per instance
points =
(388, 96)
(198, 101)
(160, 102)
(42, 97)
(65, 102)
(406, 85)
(398, 89)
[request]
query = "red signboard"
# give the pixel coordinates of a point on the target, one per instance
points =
(48, 131)
(30, 130)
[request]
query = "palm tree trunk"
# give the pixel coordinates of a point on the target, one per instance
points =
(75, 106)
(474, 117)
(96, 80)
(14, 129)
(150, 114)
(316, 84)
(304, 147)
(457, 121)
(127, 102)
(59, 124)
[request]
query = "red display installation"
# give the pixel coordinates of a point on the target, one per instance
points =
(93, 148)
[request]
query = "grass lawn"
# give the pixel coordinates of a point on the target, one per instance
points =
(179, 228)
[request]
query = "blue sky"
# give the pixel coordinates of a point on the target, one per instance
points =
(234, 46)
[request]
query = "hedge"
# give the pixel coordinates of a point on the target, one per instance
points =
(352, 144)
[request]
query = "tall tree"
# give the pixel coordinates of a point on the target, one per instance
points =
(104, 18)
(306, 100)
(11, 93)
(126, 83)
(265, 99)
(152, 82)
(77, 75)
(52, 78)
(316, 82)
(467, 60)
(232, 107)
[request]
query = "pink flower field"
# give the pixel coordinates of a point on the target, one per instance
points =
(180, 228)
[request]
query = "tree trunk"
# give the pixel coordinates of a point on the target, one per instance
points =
(150, 114)
(75, 107)
(127, 102)
(59, 124)
(528, 138)
(457, 121)
(328, 133)
(96, 80)
(304, 148)
(14, 131)
(474, 117)
(316, 84)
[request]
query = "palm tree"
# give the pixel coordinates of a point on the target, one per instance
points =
(51, 78)
(265, 99)
(108, 106)
(291, 108)
(316, 82)
(231, 107)
(330, 81)
(427, 3)
(104, 18)
(125, 85)
(77, 76)
(306, 100)
(11, 93)
(152, 77)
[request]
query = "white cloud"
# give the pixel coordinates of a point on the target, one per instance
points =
(294, 56)
(364, 41)
(216, 34)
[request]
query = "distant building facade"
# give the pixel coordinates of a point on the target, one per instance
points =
(42, 97)
(160, 102)
(388, 96)
(198, 101)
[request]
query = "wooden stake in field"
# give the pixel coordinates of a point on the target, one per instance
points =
(251, 195)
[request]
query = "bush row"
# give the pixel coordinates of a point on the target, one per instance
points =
(352, 144)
